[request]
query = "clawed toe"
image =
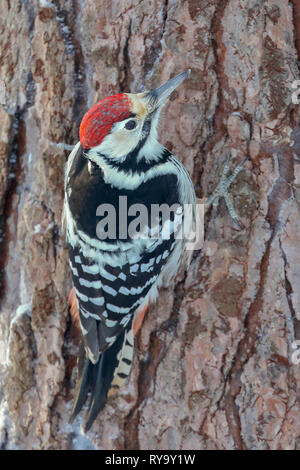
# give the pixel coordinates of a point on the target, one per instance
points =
(221, 191)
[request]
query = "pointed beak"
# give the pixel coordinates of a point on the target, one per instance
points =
(155, 98)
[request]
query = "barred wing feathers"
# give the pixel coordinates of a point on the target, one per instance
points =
(113, 278)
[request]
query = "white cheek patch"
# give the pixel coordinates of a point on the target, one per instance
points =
(119, 142)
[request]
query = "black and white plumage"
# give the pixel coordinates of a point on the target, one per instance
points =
(119, 156)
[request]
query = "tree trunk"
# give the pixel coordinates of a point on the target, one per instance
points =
(215, 361)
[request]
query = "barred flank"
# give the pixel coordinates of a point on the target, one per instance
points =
(124, 357)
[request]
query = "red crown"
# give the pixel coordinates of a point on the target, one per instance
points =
(98, 121)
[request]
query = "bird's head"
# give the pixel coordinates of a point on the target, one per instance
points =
(118, 124)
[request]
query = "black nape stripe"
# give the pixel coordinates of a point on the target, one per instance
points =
(130, 164)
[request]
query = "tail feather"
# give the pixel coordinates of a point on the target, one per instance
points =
(98, 378)
(124, 357)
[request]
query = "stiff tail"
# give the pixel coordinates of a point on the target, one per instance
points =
(102, 378)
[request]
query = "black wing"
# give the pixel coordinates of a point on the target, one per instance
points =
(109, 292)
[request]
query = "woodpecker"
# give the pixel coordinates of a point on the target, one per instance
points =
(115, 279)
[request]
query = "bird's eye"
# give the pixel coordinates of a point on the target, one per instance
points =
(130, 125)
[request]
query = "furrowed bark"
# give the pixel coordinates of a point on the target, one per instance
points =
(214, 364)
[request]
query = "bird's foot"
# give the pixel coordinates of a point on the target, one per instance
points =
(221, 191)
